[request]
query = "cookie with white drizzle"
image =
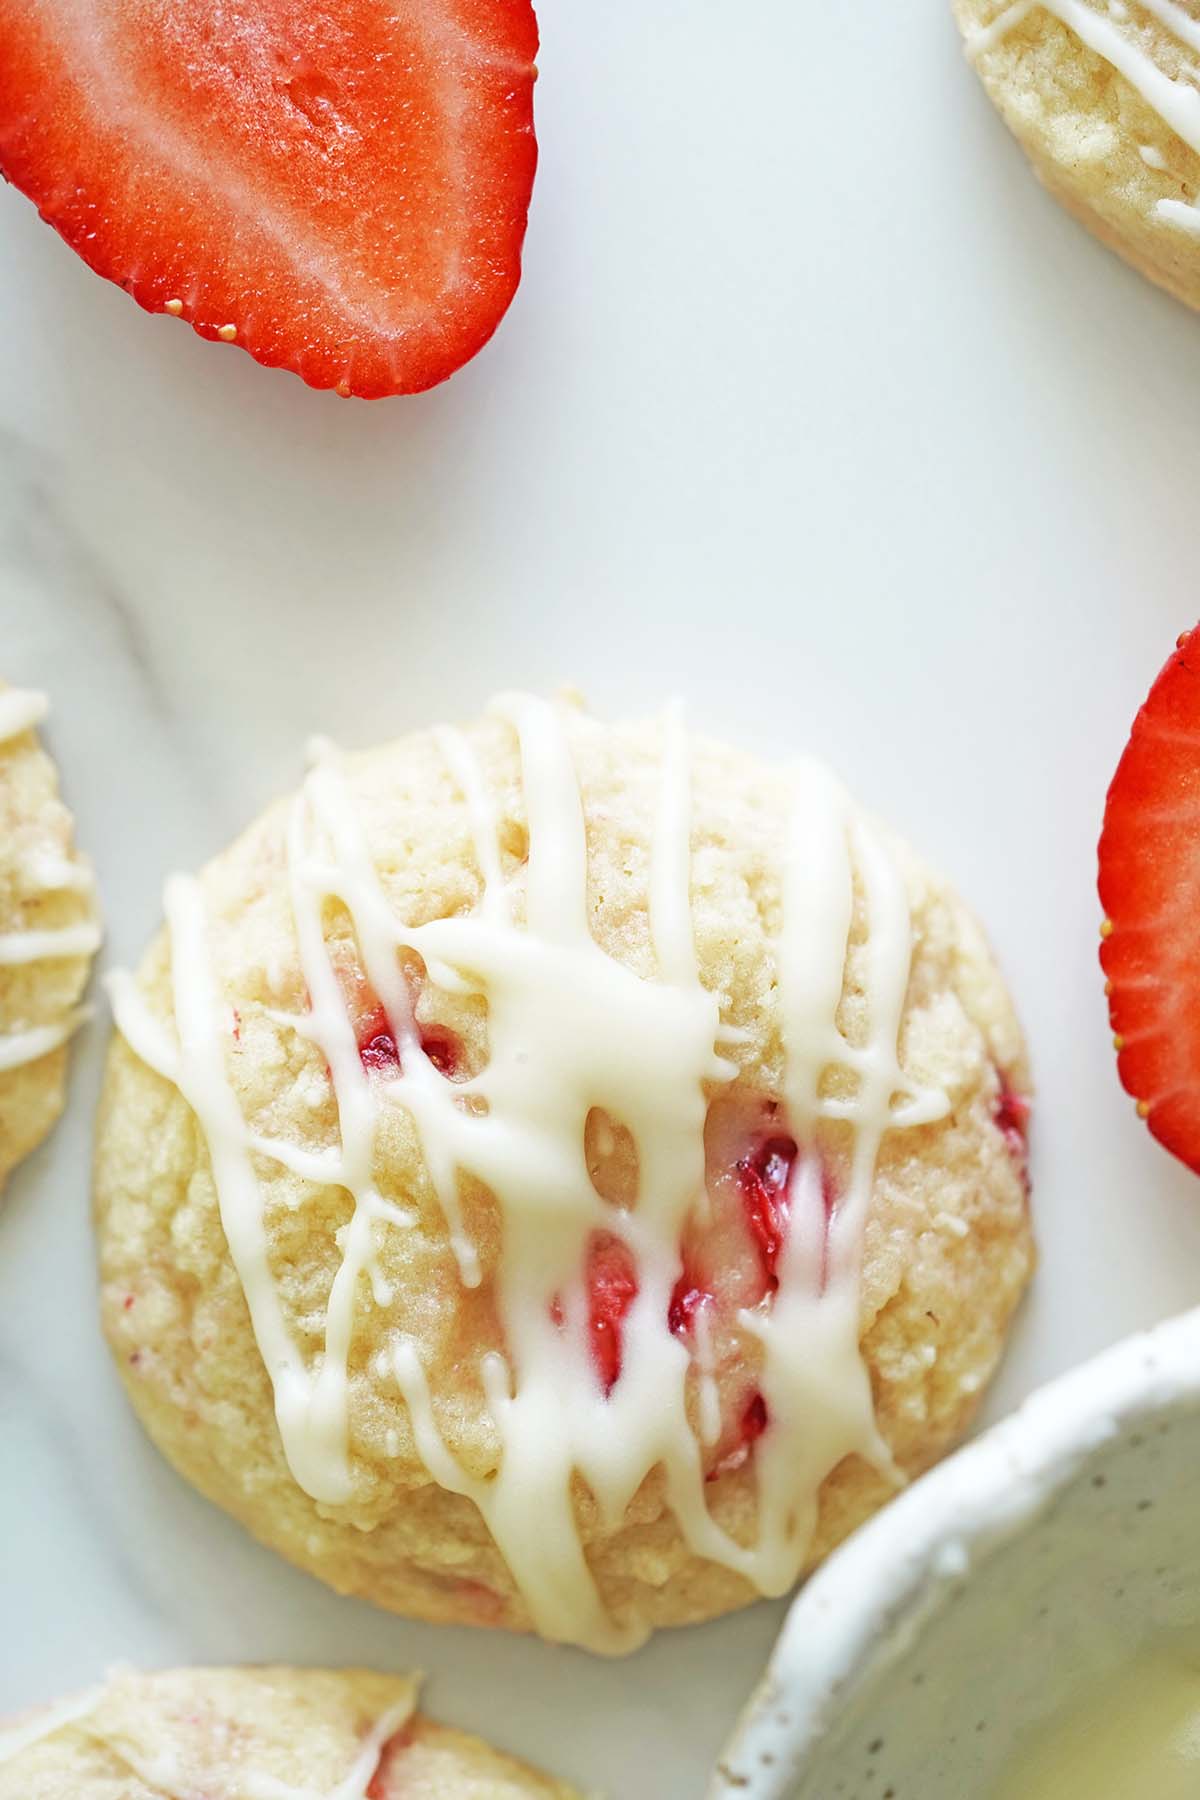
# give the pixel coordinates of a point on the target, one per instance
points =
(1105, 100)
(561, 1176)
(48, 931)
(254, 1734)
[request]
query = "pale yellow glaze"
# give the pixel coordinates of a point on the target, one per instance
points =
(1136, 1737)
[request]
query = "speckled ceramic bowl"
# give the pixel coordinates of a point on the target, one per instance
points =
(993, 1592)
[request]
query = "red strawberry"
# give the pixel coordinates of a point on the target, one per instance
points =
(764, 1179)
(612, 1287)
(1150, 891)
(610, 1278)
(750, 1428)
(380, 1056)
(687, 1297)
(383, 1782)
(1010, 1114)
(376, 1045)
(339, 187)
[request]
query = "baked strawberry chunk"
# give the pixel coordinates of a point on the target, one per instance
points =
(339, 188)
(377, 1047)
(688, 1295)
(383, 1784)
(380, 1055)
(749, 1427)
(764, 1178)
(612, 1287)
(1011, 1114)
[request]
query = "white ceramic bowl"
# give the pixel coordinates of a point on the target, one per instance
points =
(993, 1592)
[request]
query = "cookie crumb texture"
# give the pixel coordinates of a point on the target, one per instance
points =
(255, 1734)
(1105, 100)
(437, 1338)
(48, 931)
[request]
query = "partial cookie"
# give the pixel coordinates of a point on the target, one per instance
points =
(561, 1176)
(49, 931)
(1106, 101)
(255, 1734)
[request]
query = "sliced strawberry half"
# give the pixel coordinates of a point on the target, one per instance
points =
(1150, 892)
(341, 188)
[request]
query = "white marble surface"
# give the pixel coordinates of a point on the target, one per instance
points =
(811, 406)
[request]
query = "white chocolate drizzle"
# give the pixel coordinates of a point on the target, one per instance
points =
(167, 1772)
(40, 946)
(1176, 101)
(1177, 20)
(358, 1779)
(20, 710)
(50, 872)
(571, 1031)
(48, 1722)
(20, 1047)
(815, 1383)
(57, 874)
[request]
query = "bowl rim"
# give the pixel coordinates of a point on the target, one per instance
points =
(865, 1608)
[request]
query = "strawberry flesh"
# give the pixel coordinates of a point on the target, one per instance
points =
(1010, 1115)
(687, 1297)
(754, 1419)
(443, 1047)
(380, 1054)
(750, 1427)
(1150, 891)
(612, 1287)
(382, 1783)
(611, 1283)
(377, 1047)
(340, 189)
(763, 1181)
(730, 1259)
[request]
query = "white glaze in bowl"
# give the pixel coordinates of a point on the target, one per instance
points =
(991, 1594)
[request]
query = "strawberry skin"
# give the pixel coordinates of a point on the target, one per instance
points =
(339, 186)
(1150, 892)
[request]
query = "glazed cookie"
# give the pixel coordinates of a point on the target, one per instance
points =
(254, 1734)
(48, 931)
(561, 1176)
(1105, 100)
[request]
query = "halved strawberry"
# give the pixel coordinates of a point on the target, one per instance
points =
(1150, 892)
(340, 186)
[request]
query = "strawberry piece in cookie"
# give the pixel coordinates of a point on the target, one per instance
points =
(378, 1050)
(612, 1287)
(611, 1283)
(1011, 1116)
(763, 1179)
(377, 1046)
(341, 189)
(732, 1251)
(748, 1429)
(1150, 892)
